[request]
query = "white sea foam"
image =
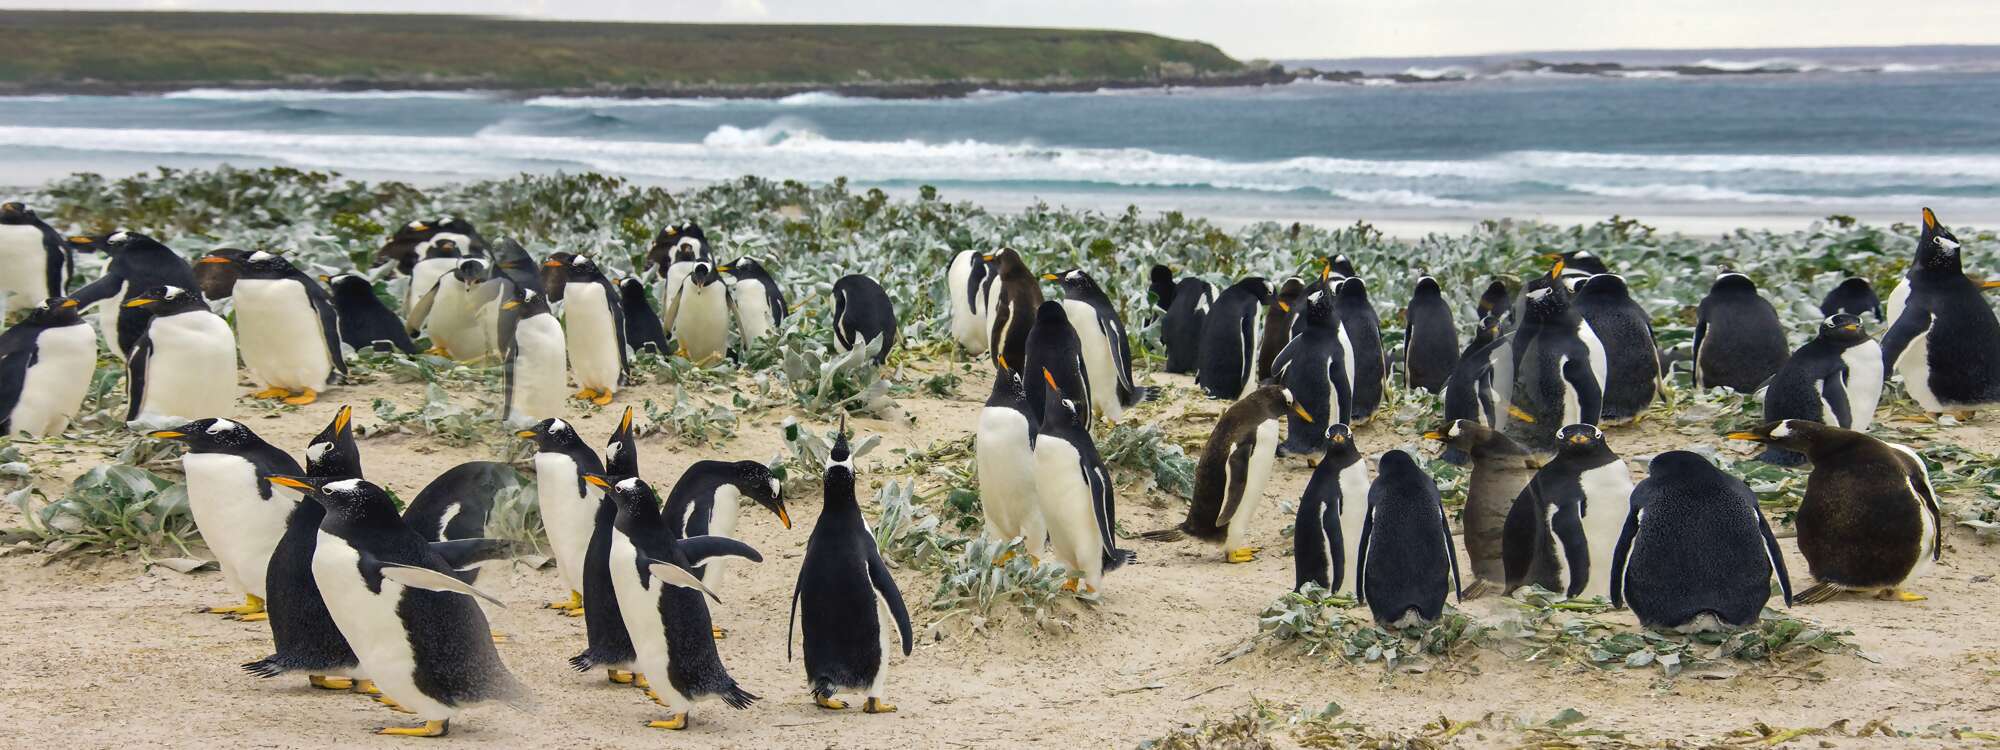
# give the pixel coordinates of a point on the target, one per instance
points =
(1929, 165)
(607, 102)
(308, 95)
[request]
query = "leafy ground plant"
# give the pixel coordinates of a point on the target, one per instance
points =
(1141, 453)
(827, 384)
(1314, 621)
(1556, 630)
(438, 417)
(110, 508)
(806, 453)
(695, 421)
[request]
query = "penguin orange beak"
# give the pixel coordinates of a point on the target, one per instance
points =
(421, 227)
(68, 302)
(213, 259)
(723, 269)
(340, 420)
(1284, 306)
(1750, 436)
(625, 422)
(1051, 277)
(510, 304)
(1002, 359)
(82, 240)
(1579, 439)
(1338, 439)
(290, 482)
(140, 302)
(1556, 270)
(988, 257)
(166, 435)
(552, 263)
(525, 434)
(783, 516)
(1051, 378)
(1303, 414)
(597, 480)
(1433, 435)
(1850, 327)
(1989, 285)
(1930, 219)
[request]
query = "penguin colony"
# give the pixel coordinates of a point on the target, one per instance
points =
(360, 596)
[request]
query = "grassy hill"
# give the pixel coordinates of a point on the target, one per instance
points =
(84, 51)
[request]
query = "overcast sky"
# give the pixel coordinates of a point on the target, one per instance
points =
(1288, 28)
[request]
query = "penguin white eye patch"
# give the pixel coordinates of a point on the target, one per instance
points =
(221, 426)
(1947, 243)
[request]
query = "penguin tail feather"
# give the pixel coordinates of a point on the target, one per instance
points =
(1164, 535)
(739, 698)
(583, 662)
(266, 667)
(1118, 558)
(1817, 593)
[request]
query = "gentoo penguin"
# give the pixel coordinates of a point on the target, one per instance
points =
(1279, 320)
(1555, 374)
(406, 248)
(660, 598)
(863, 316)
(1501, 468)
(240, 513)
(1578, 265)
(461, 313)
(1053, 345)
(1430, 338)
(1363, 329)
(1870, 519)
(1013, 295)
(1326, 536)
(287, 328)
(1696, 554)
(701, 315)
(1315, 368)
(567, 502)
(1738, 341)
(963, 281)
(1406, 562)
(1942, 305)
(1073, 488)
(609, 646)
(138, 263)
(643, 329)
(414, 625)
(1578, 501)
(457, 504)
(536, 360)
(755, 297)
(184, 350)
(1229, 340)
(1185, 319)
(707, 501)
(843, 588)
(46, 362)
(1854, 296)
(675, 250)
(437, 257)
(1160, 288)
(1003, 450)
(303, 634)
(1229, 478)
(38, 262)
(1470, 393)
(593, 327)
(1497, 301)
(364, 321)
(1107, 353)
(1835, 379)
(1631, 356)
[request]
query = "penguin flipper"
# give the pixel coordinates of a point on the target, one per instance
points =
(431, 580)
(1621, 552)
(1104, 503)
(878, 574)
(701, 549)
(1920, 478)
(462, 553)
(329, 319)
(675, 575)
(1567, 527)
(792, 620)
(1451, 554)
(135, 377)
(1343, 392)
(1912, 323)
(1777, 557)
(1361, 555)
(1833, 390)
(421, 311)
(617, 310)
(1589, 395)
(13, 379)
(1238, 474)
(102, 289)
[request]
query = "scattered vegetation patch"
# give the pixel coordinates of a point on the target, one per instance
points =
(1552, 629)
(1314, 621)
(111, 508)
(1141, 456)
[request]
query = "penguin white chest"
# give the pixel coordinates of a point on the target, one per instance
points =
(703, 324)
(1864, 383)
(239, 525)
(107, 318)
(191, 367)
(26, 282)
(1256, 474)
(372, 624)
(754, 319)
(1898, 299)
(968, 324)
(280, 335)
(54, 387)
(1607, 492)
(639, 606)
(1353, 511)
(1067, 504)
(456, 320)
(1006, 464)
(670, 291)
(423, 277)
(592, 334)
(1098, 359)
(1600, 363)
(567, 515)
(540, 369)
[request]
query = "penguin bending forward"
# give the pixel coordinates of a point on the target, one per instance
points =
(1234, 468)
(46, 362)
(708, 497)
(963, 280)
(1835, 379)
(364, 321)
(1696, 553)
(1406, 561)
(843, 588)
(138, 263)
(1738, 341)
(1229, 340)
(1185, 318)
(863, 316)
(1501, 468)
(1326, 536)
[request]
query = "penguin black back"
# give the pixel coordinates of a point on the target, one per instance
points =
(1364, 334)
(1815, 383)
(1015, 307)
(1182, 324)
(862, 313)
(1313, 367)
(642, 324)
(1407, 561)
(608, 645)
(1053, 346)
(1318, 547)
(1632, 357)
(1695, 549)
(364, 320)
(1738, 341)
(1430, 340)
(840, 580)
(137, 263)
(1229, 339)
(1160, 287)
(1854, 296)
(1278, 320)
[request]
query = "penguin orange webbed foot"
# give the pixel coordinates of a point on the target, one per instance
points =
(366, 687)
(1240, 555)
(830, 703)
(252, 604)
(435, 728)
(1899, 595)
(878, 706)
(620, 676)
(575, 601)
(680, 721)
(271, 393)
(253, 617)
(438, 350)
(718, 632)
(602, 399)
(586, 394)
(302, 398)
(324, 682)
(1003, 558)
(499, 637)
(1071, 585)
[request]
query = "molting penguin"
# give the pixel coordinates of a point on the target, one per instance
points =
(45, 366)
(1835, 379)
(609, 646)
(1854, 296)
(437, 257)
(407, 247)
(1496, 301)
(1563, 527)
(1003, 449)
(1054, 346)
(240, 513)
(1107, 353)
(286, 326)
(1738, 341)
(1185, 319)
(1363, 329)
(1501, 468)
(1326, 536)
(1074, 490)
(414, 625)
(963, 281)
(1430, 346)
(1315, 368)
(567, 502)
(1279, 320)
(707, 500)
(1011, 307)
(1470, 393)
(1406, 562)
(37, 260)
(701, 315)
(842, 590)
(1229, 478)
(756, 298)
(1556, 371)
(461, 313)
(863, 316)
(303, 633)
(594, 328)
(674, 252)
(364, 321)
(183, 352)
(1632, 358)
(1695, 554)
(1870, 519)
(643, 329)
(536, 360)
(138, 263)
(1943, 305)
(1229, 340)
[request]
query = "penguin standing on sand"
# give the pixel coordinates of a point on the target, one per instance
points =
(1279, 324)
(1854, 296)
(660, 598)
(364, 321)
(1314, 367)
(138, 263)
(45, 366)
(1054, 346)
(414, 625)
(863, 316)
(567, 502)
(707, 501)
(1556, 371)
(1738, 341)
(286, 325)
(1074, 490)
(461, 313)
(1014, 294)
(1632, 357)
(1003, 448)
(1406, 562)
(1107, 353)
(755, 297)
(1229, 478)
(240, 513)
(1695, 554)
(1470, 394)
(1430, 346)
(457, 504)
(842, 590)
(37, 260)
(303, 633)
(608, 647)
(674, 252)
(1229, 340)
(963, 282)
(407, 247)
(535, 359)
(594, 328)
(1870, 519)
(1326, 536)
(1835, 379)
(1501, 468)
(1579, 502)
(1363, 328)
(701, 315)
(1185, 318)
(643, 329)
(1942, 306)
(184, 350)
(437, 258)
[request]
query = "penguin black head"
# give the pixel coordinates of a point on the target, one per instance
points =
(1352, 288)
(249, 264)
(551, 435)
(1075, 282)
(349, 285)
(754, 480)
(1161, 283)
(1290, 291)
(1937, 249)
(1489, 327)
(621, 450)
(703, 275)
(1399, 468)
(443, 247)
(1339, 434)
(1732, 283)
(1050, 312)
(16, 213)
(1009, 388)
(1258, 287)
(631, 495)
(114, 243)
(1791, 434)
(212, 435)
(54, 312)
(581, 268)
(1427, 287)
(345, 499)
(1335, 267)
(526, 303)
(676, 243)
(1842, 328)
(1496, 298)
(1058, 412)
(166, 300)
(1580, 438)
(333, 454)
(472, 271)
(1547, 298)
(1604, 285)
(745, 267)
(555, 273)
(1319, 309)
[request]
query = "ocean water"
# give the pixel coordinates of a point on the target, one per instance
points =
(1813, 132)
